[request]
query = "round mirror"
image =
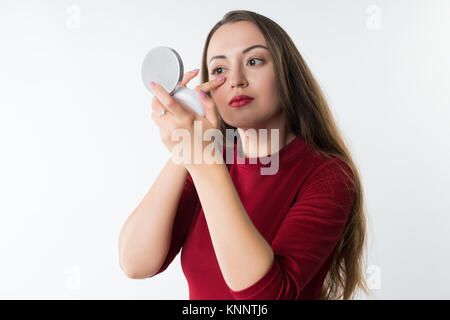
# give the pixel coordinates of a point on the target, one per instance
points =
(162, 65)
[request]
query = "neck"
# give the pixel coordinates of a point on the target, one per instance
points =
(264, 142)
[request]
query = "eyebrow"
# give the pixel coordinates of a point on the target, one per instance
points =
(246, 50)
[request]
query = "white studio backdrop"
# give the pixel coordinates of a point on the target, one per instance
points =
(79, 150)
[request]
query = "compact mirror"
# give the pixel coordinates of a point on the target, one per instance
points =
(164, 65)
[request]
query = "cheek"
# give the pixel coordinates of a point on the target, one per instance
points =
(218, 96)
(268, 85)
(218, 99)
(272, 88)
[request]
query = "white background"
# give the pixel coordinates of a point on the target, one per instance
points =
(79, 149)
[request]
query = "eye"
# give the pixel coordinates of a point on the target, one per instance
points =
(214, 71)
(256, 59)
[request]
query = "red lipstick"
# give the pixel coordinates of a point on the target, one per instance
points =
(239, 101)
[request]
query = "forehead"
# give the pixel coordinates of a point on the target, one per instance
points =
(233, 38)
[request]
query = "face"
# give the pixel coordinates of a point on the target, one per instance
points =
(248, 73)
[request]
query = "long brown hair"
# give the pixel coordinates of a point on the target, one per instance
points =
(309, 116)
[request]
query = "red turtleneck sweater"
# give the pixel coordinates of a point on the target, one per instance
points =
(301, 211)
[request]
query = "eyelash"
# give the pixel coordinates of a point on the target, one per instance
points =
(214, 70)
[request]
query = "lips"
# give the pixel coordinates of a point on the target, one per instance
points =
(240, 100)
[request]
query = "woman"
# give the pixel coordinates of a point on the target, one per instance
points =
(299, 233)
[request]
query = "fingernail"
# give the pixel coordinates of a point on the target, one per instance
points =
(221, 79)
(195, 70)
(202, 94)
(152, 84)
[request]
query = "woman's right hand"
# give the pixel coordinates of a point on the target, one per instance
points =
(156, 107)
(211, 114)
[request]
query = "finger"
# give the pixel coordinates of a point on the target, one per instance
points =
(159, 112)
(160, 119)
(189, 76)
(156, 105)
(211, 84)
(210, 108)
(166, 99)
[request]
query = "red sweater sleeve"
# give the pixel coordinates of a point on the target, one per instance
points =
(306, 238)
(186, 209)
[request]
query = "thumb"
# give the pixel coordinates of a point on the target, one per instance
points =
(210, 108)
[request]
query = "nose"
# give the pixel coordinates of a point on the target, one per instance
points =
(237, 78)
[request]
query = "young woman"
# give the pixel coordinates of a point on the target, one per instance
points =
(299, 233)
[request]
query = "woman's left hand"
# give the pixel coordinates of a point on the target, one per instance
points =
(180, 119)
